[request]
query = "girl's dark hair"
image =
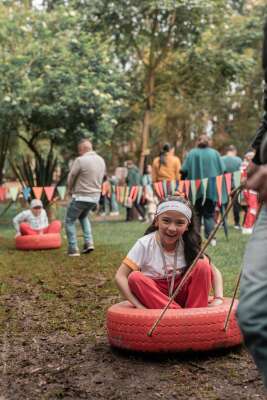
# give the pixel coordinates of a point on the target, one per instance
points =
(191, 237)
(162, 155)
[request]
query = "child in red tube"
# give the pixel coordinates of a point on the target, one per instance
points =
(155, 265)
(34, 221)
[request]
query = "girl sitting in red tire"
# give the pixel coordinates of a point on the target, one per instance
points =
(157, 262)
(35, 221)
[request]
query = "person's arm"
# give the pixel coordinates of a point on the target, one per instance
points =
(73, 174)
(121, 279)
(17, 220)
(217, 286)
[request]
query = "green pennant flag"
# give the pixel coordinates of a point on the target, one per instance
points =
(193, 191)
(61, 191)
(13, 191)
(205, 185)
(237, 178)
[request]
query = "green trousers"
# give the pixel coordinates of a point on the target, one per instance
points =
(252, 309)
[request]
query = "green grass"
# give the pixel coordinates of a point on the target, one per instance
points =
(46, 291)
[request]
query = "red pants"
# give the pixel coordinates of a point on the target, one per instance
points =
(26, 229)
(153, 293)
(251, 198)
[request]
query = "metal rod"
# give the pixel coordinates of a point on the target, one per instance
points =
(232, 303)
(235, 193)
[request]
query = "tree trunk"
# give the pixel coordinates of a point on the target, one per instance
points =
(4, 144)
(150, 88)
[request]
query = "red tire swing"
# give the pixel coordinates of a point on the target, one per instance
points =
(198, 329)
(38, 242)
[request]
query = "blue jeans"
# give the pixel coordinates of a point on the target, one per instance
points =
(252, 309)
(78, 210)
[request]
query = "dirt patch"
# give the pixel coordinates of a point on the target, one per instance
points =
(64, 367)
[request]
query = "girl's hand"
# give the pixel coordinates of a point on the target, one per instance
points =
(217, 301)
(17, 234)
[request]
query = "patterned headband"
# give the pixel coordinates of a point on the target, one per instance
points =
(173, 205)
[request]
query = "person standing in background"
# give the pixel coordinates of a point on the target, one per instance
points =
(84, 185)
(166, 166)
(134, 178)
(232, 164)
(204, 162)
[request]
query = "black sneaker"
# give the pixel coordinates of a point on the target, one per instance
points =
(87, 248)
(73, 253)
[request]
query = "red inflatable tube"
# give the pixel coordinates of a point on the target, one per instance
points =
(38, 242)
(198, 329)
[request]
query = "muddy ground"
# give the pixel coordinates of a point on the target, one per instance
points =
(53, 336)
(57, 365)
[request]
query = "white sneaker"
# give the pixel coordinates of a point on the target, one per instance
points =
(213, 242)
(247, 231)
(114, 213)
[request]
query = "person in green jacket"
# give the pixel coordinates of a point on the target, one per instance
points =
(205, 162)
(233, 163)
(134, 178)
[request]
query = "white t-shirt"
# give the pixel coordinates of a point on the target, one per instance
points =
(39, 222)
(145, 256)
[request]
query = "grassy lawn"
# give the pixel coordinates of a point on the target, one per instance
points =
(47, 294)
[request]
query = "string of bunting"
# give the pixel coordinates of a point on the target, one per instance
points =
(136, 193)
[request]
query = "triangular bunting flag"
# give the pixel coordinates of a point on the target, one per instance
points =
(13, 191)
(172, 187)
(135, 193)
(160, 186)
(164, 188)
(37, 191)
(193, 191)
(228, 181)
(181, 187)
(49, 191)
(237, 178)
(204, 185)
(126, 194)
(187, 187)
(2, 193)
(61, 191)
(156, 188)
(198, 183)
(139, 194)
(219, 179)
(26, 192)
(212, 187)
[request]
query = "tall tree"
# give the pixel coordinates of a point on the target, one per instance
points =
(145, 32)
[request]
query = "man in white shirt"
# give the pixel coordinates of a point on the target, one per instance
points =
(84, 185)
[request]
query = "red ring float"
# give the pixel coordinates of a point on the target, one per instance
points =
(38, 242)
(198, 329)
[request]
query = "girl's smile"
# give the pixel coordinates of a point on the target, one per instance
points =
(171, 226)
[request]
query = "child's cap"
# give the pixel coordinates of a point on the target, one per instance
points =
(36, 203)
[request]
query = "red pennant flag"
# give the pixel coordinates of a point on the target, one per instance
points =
(132, 191)
(2, 193)
(37, 191)
(219, 188)
(198, 183)
(228, 181)
(135, 192)
(162, 195)
(187, 187)
(156, 187)
(49, 191)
